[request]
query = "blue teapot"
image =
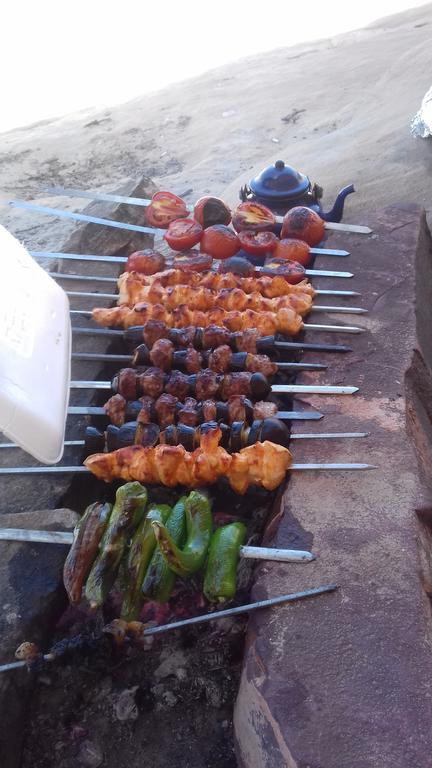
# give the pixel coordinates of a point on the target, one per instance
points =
(281, 187)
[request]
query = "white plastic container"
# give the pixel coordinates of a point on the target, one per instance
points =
(35, 345)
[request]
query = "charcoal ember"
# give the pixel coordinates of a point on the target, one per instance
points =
(125, 706)
(90, 754)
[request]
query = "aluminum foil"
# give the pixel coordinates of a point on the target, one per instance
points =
(421, 125)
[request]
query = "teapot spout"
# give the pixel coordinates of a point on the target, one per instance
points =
(336, 212)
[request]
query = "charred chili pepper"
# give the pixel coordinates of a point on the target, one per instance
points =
(128, 510)
(189, 559)
(224, 551)
(86, 539)
(159, 580)
(142, 547)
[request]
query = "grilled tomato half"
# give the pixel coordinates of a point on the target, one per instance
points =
(182, 234)
(164, 208)
(253, 217)
(303, 223)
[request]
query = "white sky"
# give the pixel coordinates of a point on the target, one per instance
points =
(57, 57)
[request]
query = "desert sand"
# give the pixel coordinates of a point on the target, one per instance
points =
(338, 109)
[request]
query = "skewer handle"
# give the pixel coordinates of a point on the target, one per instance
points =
(280, 555)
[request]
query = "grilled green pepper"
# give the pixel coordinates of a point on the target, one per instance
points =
(142, 547)
(86, 538)
(159, 580)
(224, 551)
(189, 559)
(130, 503)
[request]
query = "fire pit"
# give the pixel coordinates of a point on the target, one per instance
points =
(137, 697)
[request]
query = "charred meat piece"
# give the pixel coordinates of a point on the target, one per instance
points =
(161, 354)
(166, 409)
(187, 413)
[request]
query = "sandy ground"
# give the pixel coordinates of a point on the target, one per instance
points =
(338, 109)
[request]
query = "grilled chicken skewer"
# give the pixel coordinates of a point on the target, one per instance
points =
(100, 279)
(105, 197)
(285, 320)
(204, 385)
(328, 309)
(207, 337)
(231, 292)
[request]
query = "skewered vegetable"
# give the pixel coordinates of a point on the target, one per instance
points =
(219, 241)
(292, 250)
(164, 208)
(147, 262)
(159, 579)
(140, 553)
(253, 217)
(87, 536)
(128, 510)
(183, 234)
(303, 223)
(224, 552)
(211, 210)
(185, 561)
(148, 434)
(264, 464)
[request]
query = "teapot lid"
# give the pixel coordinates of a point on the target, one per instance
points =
(279, 181)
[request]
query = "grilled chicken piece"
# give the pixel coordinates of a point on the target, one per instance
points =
(264, 464)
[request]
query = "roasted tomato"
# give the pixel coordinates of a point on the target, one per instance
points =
(253, 217)
(237, 266)
(182, 234)
(290, 270)
(258, 243)
(303, 223)
(219, 241)
(293, 250)
(211, 210)
(148, 262)
(165, 208)
(193, 261)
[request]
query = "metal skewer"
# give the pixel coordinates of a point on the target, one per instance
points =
(123, 259)
(65, 470)
(97, 279)
(250, 553)
(94, 410)
(108, 198)
(300, 436)
(124, 225)
(306, 326)
(278, 388)
(270, 602)
(283, 345)
(128, 360)
(314, 308)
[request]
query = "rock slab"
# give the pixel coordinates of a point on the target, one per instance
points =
(343, 680)
(32, 598)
